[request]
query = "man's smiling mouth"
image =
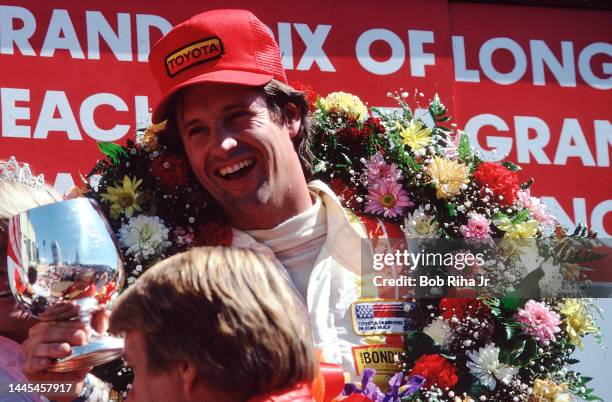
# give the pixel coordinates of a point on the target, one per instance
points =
(236, 170)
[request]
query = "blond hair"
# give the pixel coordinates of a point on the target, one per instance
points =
(17, 197)
(228, 311)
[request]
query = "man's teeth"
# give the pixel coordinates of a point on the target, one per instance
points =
(234, 168)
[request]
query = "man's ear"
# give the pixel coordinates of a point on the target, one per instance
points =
(293, 118)
(189, 375)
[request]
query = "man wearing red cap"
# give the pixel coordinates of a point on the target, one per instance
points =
(227, 106)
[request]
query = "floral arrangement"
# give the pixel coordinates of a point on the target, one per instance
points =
(156, 209)
(508, 349)
(426, 178)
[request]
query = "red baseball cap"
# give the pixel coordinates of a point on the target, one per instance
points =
(220, 46)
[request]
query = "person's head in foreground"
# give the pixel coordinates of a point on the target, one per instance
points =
(229, 109)
(213, 324)
(16, 195)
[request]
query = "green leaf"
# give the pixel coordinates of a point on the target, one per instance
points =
(451, 210)
(477, 389)
(319, 103)
(512, 301)
(500, 216)
(530, 352)
(509, 331)
(347, 159)
(521, 217)
(511, 166)
(112, 151)
(504, 356)
(586, 379)
(517, 346)
(464, 148)
(419, 344)
(436, 108)
(411, 162)
(527, 184)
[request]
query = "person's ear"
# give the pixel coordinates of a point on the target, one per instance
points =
(293, 118)
(189, 375)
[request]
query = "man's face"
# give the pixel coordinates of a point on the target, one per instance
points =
(241, 156)
(149, 386)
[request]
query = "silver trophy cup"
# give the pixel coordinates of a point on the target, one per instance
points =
(66, 252)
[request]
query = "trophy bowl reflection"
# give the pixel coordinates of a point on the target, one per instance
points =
(62, 253)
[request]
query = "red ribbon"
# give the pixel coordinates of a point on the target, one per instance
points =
(326, 387)
(329, 383)
(299, 393)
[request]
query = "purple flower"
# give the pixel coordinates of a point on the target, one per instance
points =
(395, 392)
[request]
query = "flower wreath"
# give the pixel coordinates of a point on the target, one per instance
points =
(414, 169)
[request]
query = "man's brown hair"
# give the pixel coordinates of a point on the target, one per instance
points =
(228, 311)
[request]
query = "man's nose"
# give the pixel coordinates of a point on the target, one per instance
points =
(228, 143)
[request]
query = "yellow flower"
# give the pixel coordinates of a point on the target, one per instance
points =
(523, 230)
(416, 135)
(548, 391)
(123, 198)
(447, 176)
(344, 104)
(577, 321)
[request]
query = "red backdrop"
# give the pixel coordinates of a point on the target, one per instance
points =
(533, 83)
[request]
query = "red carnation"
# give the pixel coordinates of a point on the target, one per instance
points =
(356, 134)
(463, 307)
(214, 233)
(436, 370)
(502, 181)
(375, 125)
(171, 171)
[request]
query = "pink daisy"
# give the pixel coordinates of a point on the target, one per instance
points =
(478, 227)
(538, 321)
(387, 198)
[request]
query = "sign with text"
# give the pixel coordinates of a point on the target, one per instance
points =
(531, 87)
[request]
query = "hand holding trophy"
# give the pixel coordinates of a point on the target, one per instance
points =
(63, 253)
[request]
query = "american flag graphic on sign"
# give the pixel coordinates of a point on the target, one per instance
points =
(379, 317)
(375, 310)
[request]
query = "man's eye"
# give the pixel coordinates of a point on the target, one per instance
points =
(197, 130)
(241, 115)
